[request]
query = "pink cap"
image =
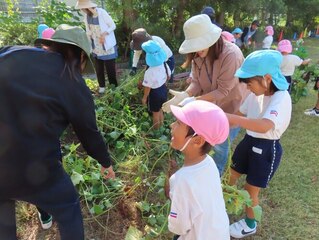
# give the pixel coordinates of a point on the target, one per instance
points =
(47, 33)
(228, 36)
(284, 46)
(269, 30)
(206, 119)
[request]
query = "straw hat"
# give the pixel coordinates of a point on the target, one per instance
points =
(139, 36)
(200, 33)
(84, 4)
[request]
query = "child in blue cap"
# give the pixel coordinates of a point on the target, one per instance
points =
(155, 77)
(265, 114)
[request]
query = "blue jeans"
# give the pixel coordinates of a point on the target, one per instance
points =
(59, 199)
(221, 151)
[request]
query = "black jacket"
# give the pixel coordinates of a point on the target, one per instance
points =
(38, 100)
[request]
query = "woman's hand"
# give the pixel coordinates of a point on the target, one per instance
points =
(109, 174)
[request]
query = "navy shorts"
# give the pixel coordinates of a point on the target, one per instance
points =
(257, 158)
(156, 98)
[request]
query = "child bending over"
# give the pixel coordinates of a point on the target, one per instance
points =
(155, 77)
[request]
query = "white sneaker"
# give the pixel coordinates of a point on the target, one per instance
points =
(45, 224)
(240, 229)
(312, 112)
(101, 90)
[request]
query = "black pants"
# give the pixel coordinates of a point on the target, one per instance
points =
(110, 71)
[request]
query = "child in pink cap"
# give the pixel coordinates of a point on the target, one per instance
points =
(197, 203)
(290, 61)
(269, 37)
(47, 33)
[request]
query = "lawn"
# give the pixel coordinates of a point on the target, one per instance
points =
(290, 204)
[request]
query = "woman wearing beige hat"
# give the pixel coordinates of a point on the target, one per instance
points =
(40, 98)
(100, 30)
(214, 63)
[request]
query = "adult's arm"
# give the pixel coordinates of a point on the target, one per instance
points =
(108, 25)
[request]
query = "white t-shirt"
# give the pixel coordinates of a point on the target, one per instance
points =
(289, 62)
(167, 50)
(198, 208)
(276, 108)
(155, 77)
(267, 42)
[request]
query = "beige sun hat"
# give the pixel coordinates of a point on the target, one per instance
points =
(200, 33)
(80, 4)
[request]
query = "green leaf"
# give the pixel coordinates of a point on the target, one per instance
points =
(133, 234)
(258, 212)
(97, 209)
(114, 135)
(76, 178)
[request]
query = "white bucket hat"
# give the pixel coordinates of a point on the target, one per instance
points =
(80, 4)
(200, 33)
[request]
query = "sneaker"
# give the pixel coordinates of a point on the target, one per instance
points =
(312, 112)
(101, 90)
(240, 229)
(45, 223)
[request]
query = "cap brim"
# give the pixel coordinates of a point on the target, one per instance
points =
(179, 114)
(242, 74)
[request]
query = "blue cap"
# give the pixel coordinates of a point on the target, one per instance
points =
(237, 30)
(41, 28)
(262, 62)
(155, 55)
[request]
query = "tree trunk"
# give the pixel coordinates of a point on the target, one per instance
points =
(179, 21)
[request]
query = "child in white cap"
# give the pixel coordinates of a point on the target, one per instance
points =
(155, 77)
(197, 204)
(290, 61)
(265, 114)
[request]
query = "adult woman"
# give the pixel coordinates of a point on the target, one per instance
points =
(100, 30)
(214, 62)
(39, 99)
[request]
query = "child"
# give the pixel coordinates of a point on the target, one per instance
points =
(237, 35)
(265, 114)
(289, 61)
(198, 208)
(155, 77)
(269, 31)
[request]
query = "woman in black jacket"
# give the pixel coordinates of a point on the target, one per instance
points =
(41, 93)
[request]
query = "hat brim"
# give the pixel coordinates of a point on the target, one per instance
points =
(44, 41)
(278, 79)
(200, 43)
(179, 114)
(86, 5)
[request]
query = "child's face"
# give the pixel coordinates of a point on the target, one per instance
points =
(179, 132)
(257, 85)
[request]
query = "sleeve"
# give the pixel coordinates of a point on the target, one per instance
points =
(226, 81)
(81, 113)
(108, 21)
(148, 78)
(179, 220)
(136, 57)
(297, 61)
(278, 109)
